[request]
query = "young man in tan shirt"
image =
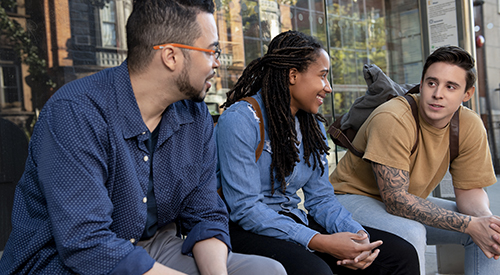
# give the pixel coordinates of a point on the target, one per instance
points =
(388, 187)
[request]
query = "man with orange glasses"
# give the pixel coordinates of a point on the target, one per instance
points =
(123, 162)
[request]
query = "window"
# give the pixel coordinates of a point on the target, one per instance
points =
(108, 24)
(10, 92)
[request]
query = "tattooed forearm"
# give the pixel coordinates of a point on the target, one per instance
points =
(393, 185)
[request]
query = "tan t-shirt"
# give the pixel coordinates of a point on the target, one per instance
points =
(392, 134)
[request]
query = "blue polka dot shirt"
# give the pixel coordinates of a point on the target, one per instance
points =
(81, 205)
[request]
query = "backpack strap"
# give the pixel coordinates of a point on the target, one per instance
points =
(260, 147)
(414, 112)
(342, 139)
(454, 131)
(256, 107)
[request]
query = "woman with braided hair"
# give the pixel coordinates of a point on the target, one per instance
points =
(289, 84)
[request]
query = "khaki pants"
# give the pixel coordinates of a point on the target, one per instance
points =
(165, 248)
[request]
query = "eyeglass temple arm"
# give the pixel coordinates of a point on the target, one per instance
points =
(183, 46)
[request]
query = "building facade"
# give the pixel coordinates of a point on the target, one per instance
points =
(47, 43)
(487, 37)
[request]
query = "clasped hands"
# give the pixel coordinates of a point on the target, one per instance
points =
(485, 231)
(353, 250)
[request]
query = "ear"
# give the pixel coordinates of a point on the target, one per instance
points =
(292, 76)
(170, 57)
(469, 93)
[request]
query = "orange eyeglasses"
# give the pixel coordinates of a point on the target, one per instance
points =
(215, 52)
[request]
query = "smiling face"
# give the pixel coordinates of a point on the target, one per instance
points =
(442, 91)
(199, 67)
(309, 88)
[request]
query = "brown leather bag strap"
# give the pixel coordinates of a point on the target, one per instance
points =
(341, 139)
(454, 131)
(336, 133)
(414, 112)
(256, 107)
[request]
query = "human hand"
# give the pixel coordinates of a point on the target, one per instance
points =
(496, 237)
(485, 234)
(350, 247)
(364, 259)
(362, 264)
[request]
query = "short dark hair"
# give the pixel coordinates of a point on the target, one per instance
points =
(455, 56)
(155, 22)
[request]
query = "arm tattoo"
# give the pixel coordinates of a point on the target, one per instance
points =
(393, 185)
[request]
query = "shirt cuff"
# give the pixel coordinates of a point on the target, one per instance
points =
(303, 235)
(352, 227)
(136, 262)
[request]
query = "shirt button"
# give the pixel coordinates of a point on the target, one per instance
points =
(132, 240)
(145, 199)
(146, 158)
(143, 133)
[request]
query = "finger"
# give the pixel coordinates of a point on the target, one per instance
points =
(496, 249)
(370, 259)
(496, 257)
(496, 238)
(362, 256)
(346, 262)
(495, 227)
(359, 265)
(362, 233)
(374, 254)
(488, 254)
(359, 237)
(369, 246)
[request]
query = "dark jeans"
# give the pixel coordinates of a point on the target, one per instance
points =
(396, 255)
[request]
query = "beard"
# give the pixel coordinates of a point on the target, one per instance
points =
(184, 84)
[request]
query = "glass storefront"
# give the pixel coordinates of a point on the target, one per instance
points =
(45, 44)
(355, 32)
(75, 38)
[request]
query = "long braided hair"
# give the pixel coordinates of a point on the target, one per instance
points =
(270, 74)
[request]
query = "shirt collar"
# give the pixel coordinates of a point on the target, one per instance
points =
(127, 103)
(174, 116)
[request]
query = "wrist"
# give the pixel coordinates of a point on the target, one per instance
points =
(316, 243)
(469, 221)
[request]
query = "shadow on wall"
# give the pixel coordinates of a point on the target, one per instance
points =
(13, 154)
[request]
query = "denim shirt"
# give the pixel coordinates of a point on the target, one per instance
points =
(80, 206)
(247, 185)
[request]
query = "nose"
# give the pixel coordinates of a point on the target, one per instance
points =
(327, 88)
(438, 93)
(217, 62)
